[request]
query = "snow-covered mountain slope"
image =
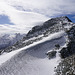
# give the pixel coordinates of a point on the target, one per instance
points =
(30, 55)
(7, 40)
(33, 59)
(41, 31)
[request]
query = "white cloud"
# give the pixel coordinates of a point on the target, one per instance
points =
(23, 20)
(25, 13)
(46, 7)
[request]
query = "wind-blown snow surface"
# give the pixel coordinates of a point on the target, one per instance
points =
(32, 59)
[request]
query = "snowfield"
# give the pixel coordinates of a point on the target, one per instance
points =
(32, 60)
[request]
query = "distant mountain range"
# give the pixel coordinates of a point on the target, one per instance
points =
(7, 40)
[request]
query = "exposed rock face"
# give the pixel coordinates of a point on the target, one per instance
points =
(70, 49)
(51, 24)
(66, 67)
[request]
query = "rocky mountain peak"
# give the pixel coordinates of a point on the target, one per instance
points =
(64, 20)
(58, 20)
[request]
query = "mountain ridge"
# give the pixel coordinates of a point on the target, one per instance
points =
(38, 32)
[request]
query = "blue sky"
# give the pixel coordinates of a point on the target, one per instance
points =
(72, 17)
(5, 20)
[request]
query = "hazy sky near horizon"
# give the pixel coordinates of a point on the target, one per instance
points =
(23, 13)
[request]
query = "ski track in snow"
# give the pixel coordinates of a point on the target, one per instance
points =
(32, 60)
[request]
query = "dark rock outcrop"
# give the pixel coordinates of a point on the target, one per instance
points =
(70, 49)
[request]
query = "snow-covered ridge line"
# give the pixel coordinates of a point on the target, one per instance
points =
(4, 57)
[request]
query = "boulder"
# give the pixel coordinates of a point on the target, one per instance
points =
(51, 54)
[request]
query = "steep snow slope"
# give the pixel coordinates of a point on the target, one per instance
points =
(32, 60)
